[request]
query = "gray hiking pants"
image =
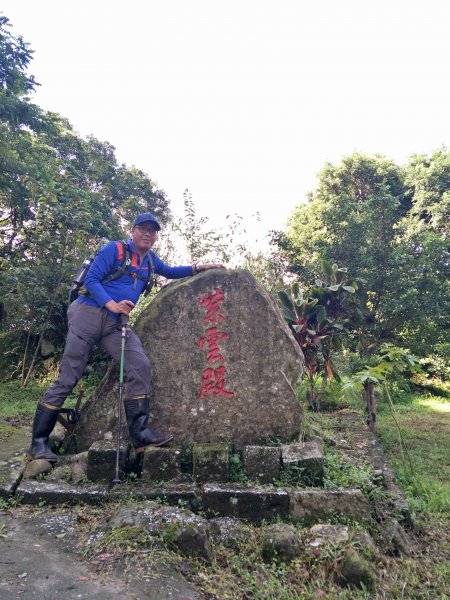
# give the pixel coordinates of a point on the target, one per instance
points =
(89, 325)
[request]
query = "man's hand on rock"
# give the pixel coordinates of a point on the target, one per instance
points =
(198, 267)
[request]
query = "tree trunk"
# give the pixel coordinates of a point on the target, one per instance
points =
(323, 385)
(36, 351)
(310, 396)
(47, 321)
(371, 403)
(24, 360)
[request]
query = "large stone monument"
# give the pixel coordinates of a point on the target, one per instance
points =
(224, 366)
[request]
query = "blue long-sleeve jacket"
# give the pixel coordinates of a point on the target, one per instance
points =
(125, 287)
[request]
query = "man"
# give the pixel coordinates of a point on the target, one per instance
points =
(95, 319)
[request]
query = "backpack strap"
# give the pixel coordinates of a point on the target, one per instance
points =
(151, 278)
(127, 258)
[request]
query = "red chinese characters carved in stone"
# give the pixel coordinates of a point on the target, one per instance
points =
(210, 341)
(213, 382)
(210, 303)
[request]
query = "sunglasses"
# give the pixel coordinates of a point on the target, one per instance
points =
(144, 229)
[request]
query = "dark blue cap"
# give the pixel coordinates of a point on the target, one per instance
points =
(144, 217)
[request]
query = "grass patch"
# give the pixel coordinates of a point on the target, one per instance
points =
(346, 475)
(425, 427)
(17, 402)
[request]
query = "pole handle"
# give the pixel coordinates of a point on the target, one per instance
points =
(123, 319)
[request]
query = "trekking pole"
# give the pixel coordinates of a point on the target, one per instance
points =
(124, 321)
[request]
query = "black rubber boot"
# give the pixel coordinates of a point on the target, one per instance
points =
(44, 422)
(137, 411)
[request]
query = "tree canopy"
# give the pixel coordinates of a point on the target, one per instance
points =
(59, 195)
(389, 226)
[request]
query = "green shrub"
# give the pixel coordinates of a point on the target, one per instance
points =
(16, 401)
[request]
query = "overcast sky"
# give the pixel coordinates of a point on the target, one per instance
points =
(243, 101)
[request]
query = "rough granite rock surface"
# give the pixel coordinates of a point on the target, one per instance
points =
(224, 365)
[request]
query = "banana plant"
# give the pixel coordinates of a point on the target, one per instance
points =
(338, 297)
(335, 292)
(318, 321)
(310, 327)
